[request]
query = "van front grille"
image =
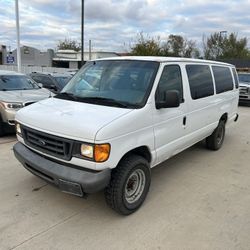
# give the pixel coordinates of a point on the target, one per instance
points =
(49, 144)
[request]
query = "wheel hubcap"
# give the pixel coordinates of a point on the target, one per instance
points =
(134, 186)
(220, 135)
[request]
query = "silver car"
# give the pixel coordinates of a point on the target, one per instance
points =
(16, 91)
(244, 82)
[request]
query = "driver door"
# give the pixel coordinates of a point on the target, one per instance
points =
(169, 123)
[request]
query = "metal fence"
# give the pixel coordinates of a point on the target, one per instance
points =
(30, 69)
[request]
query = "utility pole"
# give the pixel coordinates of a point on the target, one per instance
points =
(221, 39)
(223, 32)
(18, 39)
(82, 35)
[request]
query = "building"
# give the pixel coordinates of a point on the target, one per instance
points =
(242, 65)
(33, 57)
(72, 59)
(61, 59)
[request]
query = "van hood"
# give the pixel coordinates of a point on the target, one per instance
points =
(69, 119)
(24, 96)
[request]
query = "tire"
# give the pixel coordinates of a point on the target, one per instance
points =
(129, 185)
(215, 140)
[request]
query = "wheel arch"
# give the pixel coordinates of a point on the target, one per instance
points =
(224, 117)
(141, 151)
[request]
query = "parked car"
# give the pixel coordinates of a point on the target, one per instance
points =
(119, 117)
(244, 82)
(16, 91)
(52, 81)
(72, 72)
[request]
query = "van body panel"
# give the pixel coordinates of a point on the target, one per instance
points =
(124, 135)
(164, 132)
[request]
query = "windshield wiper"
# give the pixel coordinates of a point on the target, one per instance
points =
(95, 100)
(67, 95)
(103, 100)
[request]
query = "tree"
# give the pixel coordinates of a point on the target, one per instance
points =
(174, 46)
(179, 46)
(146, 46)
(68, 43)
(235, 48)
(223, 47)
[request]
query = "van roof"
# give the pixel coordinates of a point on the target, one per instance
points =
(7, 72)
(164, 59)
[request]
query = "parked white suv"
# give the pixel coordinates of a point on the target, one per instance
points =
(244, 83)
(119, 117)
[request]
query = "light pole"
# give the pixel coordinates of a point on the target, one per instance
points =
(18, 39)
(221, 41)
(82, 35)
(223, 32)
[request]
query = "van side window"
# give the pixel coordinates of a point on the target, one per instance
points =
(200, 81)
(170, 80)
(236, 80)
(223, 79)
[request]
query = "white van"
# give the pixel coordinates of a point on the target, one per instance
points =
(119, 117)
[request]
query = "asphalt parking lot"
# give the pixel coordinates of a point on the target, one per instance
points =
(199, 199)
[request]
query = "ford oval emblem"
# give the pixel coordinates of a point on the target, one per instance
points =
(41, 142)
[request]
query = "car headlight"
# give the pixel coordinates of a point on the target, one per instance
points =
(12, 105)
(97, 152)
(87, 151)
(18, 129)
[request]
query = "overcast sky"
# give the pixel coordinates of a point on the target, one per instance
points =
(112, 25)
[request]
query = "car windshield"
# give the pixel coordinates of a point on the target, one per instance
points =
(62, 80)
(117, 83)
(16, 82)
(244, 78)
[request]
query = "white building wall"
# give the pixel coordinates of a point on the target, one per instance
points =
(30, 69)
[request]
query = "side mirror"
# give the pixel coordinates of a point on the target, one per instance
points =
(171, 100)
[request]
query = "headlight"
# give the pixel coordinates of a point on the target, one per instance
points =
(97, 152)
(12, 105)
(87, 151)
(18, 129)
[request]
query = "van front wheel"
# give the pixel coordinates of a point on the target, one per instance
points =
(129, 185)
(215, 140)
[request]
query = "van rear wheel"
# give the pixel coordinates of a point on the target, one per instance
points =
(215, 140)
(129, 185)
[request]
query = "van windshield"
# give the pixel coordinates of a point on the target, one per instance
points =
(16, 82)
(119, 83)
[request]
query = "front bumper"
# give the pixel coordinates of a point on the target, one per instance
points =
(8, 116)
(67, 178)
(244, 99)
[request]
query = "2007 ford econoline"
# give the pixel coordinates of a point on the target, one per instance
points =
(119, 117)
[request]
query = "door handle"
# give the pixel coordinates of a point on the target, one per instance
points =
(184, 120)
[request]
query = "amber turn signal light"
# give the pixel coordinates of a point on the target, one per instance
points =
(101, 152)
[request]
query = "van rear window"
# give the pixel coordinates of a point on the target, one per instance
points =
(223, 79)
(200, 81)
